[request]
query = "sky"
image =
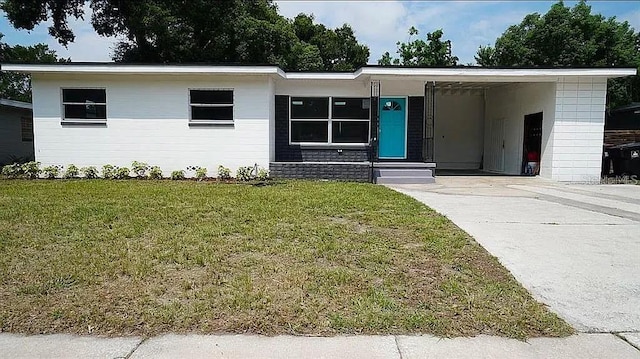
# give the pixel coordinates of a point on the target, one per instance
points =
(378, 24)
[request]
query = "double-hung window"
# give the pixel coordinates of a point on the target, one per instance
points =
(329, 120)
(211, 106)
(84, 105)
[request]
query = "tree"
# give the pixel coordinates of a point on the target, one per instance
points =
(231, 31)
(432, 52)
(570, 37)
(17, 86)
(339, 49)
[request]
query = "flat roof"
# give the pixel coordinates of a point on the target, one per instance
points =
(367, 72)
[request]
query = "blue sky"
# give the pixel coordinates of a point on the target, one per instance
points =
(379, 24)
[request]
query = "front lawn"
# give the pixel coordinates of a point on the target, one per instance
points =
(318, 258)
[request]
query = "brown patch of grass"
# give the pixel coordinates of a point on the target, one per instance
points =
(147, 257)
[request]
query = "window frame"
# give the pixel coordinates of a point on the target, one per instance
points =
(210, 122)
(330, 121)
(84, 120)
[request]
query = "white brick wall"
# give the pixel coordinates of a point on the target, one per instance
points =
(148, 120)
(578, 129)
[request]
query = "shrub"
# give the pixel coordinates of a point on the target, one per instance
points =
(201, 173)
(89, 172)
(71, 172)
(51, 172)
(177, 175)
(108, 171)
(244, 174)
(263, 174)
(140, 169)
(14, 170)
(31, 169)
(155, 172)
(121, 173)
(224, 173)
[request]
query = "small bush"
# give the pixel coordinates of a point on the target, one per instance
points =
(89, 172)
(121, 173)
(177, 175)
(224, 173)
(244, 174)
(140, 169)
(155, 172)
(31, 169)
(71, 172)
(108, 171)
(13, 171)
(51, 172)
(201, 173)
(263, 174)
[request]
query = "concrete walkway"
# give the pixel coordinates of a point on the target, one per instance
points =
(576, 248)
(248, 346)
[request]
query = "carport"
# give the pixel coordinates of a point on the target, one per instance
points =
(497, 120)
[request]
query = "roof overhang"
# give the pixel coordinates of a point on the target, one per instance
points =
(451, 74)
(128, 69)
(15, 104)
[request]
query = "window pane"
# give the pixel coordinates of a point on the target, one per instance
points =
(88, 111)
(350, 131)
(309, 131)
(26, 124)
(350, 108)
(211, 97)
(310, 107)
(212, 113)
(84, 95)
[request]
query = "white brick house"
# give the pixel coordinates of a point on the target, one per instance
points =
(322, 125)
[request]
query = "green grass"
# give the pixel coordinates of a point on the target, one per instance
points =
(318, 258)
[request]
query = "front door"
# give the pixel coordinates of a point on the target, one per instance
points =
(393, 128)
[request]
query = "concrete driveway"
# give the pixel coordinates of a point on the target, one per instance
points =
(575, 247)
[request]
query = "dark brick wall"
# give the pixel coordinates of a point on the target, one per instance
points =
(360, 172)
(294, 153)
(415, 123)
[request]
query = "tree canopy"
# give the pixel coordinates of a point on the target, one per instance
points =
(432, 52)
(232, 31)
(16, 86)
(570, 37)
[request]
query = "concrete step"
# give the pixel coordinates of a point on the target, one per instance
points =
(402, 172)
(404, 180)
(412, 165)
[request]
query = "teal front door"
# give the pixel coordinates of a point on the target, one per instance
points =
(392, 136)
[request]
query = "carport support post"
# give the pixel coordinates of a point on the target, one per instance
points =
(429, 119)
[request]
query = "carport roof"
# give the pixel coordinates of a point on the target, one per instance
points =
(451, 74)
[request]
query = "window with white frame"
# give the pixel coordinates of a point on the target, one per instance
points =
(211, 106)
(85, 105)
(330, 120)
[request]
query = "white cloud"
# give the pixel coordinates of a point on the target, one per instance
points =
(380, 24)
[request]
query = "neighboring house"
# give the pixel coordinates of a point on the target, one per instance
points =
(16, 131)
(390, 122)
(622, 125)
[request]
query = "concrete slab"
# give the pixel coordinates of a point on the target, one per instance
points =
(632, 338)
(253, 346)
(65, 346)
(579, 346)
(582, 263)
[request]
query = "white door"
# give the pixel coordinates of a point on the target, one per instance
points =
(497, 145)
